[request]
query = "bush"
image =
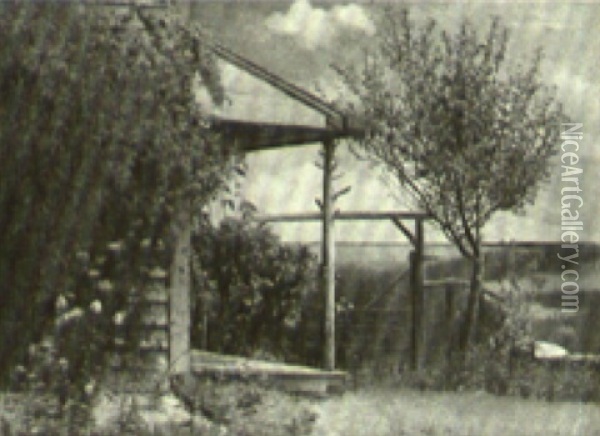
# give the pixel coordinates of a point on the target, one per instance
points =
(62, 374)
(250, 289)
(502, 363)
(88, 152)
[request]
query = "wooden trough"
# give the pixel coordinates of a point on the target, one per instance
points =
(289, 378)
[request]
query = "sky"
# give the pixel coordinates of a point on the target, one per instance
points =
(300, 40)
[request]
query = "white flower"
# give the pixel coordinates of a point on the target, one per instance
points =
(46, 344)
(61, 303)
(93, 273)
(119, 318)
(115, 246)
(89, 388)
(157, 273)
(83, 256)
(72, 314)
(105, 286)
(96, 306)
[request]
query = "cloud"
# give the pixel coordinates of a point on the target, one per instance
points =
(316, 27)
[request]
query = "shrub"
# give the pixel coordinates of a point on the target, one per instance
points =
(250, 288)
(97, 320)
(89, 152)
(503, 363)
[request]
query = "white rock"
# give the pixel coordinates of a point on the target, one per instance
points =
(548, 350)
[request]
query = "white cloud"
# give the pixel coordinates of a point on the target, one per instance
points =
(315, 26)
(353, 16)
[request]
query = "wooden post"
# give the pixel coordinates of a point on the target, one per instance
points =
(450, 289)
(179, 301)
(180, 283)
(328, 257)
(417, 297)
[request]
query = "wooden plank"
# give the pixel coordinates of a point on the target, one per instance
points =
(279, 83)
(404, 230)
(342, 216)
(146, 4)
(254, 136)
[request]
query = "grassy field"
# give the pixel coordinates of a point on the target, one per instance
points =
(391, 412)
(387, 412)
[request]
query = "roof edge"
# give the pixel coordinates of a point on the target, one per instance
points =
(335, 117)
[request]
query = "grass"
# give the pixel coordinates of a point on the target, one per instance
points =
(392, 412)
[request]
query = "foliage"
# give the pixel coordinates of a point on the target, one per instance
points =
(98, 319)
(502, 364)
(235, 408)
(52, 401)
(243, 407)
(99, 133)
(250, 286)
(453, 122)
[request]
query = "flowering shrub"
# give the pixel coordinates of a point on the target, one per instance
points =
(99, 151)
(92, 325)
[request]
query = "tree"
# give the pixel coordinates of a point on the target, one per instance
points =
(100, 136)
(456, 125)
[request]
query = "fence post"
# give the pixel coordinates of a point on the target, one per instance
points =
(328, 257)
(449, 320)
(417, 293)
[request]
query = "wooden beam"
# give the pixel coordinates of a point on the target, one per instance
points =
(254, 136)
(342, 216)
(334, 115)
(405, 230)
(145, 4)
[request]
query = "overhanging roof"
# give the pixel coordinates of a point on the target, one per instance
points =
(335, 116)
(251, 135)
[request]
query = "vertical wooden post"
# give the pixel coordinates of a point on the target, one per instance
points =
(180, 280)
(328, 257)
(450, 289)
(417, 296)
(179, 301)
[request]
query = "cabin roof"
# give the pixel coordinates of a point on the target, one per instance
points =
(252, 135)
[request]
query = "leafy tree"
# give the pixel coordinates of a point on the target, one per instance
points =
(250, 286)
(455, 124)
(100, 137)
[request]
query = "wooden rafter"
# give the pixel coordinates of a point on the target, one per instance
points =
(335, 117)
(405, 230)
